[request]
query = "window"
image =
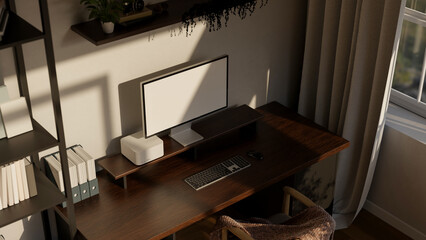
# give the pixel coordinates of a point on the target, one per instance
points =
(408, 86)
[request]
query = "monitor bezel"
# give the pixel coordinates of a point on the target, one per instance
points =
(174, 72)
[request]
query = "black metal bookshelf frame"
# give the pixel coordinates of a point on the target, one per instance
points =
(18, 32)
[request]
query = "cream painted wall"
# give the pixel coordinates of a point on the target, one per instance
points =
(28, 228)
(397, 194)
(265, 54)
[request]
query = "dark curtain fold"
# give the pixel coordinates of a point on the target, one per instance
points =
(345, 87)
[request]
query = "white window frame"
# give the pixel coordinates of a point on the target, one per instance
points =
(399, 98)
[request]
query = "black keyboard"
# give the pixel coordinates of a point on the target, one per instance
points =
(217, 172)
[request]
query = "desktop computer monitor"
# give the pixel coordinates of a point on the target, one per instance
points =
(174, 100)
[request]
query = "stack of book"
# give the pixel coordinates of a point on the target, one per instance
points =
(131, 17)
(17, 182)
(84, 183)
(4, 17)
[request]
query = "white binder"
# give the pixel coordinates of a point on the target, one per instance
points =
(81, 173)
(19, 179)
(56, 171)
(24, 178)
(14, 183)
(75, 188)
(10, 199)
(91, 169)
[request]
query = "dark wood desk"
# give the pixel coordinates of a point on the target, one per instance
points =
(158, 202)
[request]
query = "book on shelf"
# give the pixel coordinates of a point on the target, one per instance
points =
(19, 179)
(29, 170)
(10, 200)
(14, 183)
(134, 16)
(3, 187)
(17, 183)
(25, 178)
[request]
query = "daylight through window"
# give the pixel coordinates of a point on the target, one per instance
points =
(408, 88)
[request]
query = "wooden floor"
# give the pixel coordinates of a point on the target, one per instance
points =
(369, 227)
(365, 227)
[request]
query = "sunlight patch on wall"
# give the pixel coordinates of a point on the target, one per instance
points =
(253, 101)
(8, 74)
(268, 73)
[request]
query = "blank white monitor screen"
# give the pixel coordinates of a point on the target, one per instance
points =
(184, 96)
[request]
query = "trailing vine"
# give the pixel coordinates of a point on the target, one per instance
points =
(212, 12)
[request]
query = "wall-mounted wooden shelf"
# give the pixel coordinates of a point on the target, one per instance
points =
(92, 30)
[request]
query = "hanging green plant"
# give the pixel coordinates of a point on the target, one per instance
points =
(213, 12)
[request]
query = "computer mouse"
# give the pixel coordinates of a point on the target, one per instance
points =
(255, 154)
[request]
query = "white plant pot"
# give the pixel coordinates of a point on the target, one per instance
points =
(108, 27)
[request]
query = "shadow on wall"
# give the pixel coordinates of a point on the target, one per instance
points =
(131, 100)
(261, 72)
(81, 107)
(29, 224)
(283, 69)
(259, 75)
(250, 64)
(256, 71)
(100, 86)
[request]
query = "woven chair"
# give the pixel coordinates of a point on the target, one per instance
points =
(311, 223)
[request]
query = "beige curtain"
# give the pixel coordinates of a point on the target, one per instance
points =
(345, 87)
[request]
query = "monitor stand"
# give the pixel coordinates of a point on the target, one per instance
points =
(185, 135)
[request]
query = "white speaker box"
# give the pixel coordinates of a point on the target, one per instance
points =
(141, 150)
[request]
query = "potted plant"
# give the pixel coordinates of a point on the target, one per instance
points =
(106, 11)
